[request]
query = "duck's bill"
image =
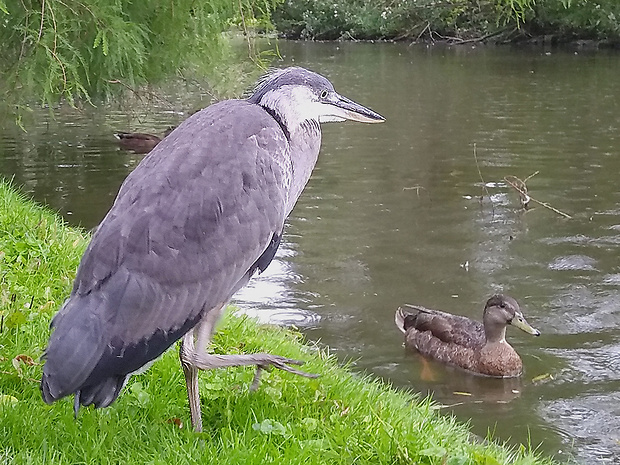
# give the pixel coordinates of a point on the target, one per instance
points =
(520, 322)
(344, 109)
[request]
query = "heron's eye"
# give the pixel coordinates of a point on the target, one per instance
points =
(324, 93)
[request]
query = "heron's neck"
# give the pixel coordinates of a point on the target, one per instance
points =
(303, 133)
(279, 119)
(287, 108)
(305, 143)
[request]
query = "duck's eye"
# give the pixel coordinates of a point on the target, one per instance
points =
(324, 93)
(503, 305)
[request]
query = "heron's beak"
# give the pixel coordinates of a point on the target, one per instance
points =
(340, 108)
(520, 322)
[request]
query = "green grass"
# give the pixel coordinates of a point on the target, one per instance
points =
(339, 418)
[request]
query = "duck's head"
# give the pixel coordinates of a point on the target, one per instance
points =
(502, 310)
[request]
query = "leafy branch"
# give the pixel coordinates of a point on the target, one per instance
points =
(55, 49)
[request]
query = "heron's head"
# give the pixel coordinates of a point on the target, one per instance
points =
(296, 95)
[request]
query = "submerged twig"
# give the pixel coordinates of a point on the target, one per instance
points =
(416, 188)
(521, 188)
(484, 184)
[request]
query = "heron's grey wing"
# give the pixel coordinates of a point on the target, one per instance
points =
(185, 230)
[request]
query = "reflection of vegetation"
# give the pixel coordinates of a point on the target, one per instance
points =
(448, 19)
(79, 50)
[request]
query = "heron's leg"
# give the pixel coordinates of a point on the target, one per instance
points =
(191, 380)
(205, 361)
(199, 357)
(196, 340)
(206, 328)
(194, 357)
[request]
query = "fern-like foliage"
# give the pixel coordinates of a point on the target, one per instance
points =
(78, 50)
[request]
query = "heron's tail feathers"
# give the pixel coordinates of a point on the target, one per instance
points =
(102, 394)
(74, 350)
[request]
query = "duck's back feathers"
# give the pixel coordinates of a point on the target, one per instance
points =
(446, 327)
(137, 142)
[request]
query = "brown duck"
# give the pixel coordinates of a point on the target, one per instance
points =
(139, 142)
(459, 341)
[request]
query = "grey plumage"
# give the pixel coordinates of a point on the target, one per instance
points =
(191, 224)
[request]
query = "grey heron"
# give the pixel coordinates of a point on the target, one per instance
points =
(201, 214)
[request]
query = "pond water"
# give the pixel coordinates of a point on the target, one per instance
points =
(418, 210)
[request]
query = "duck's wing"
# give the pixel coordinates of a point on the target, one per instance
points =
(445, 327)
(137, 136)
(137, 142)
(444, 352)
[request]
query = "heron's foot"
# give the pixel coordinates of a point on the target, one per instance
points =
(262, 361)
(192, 361)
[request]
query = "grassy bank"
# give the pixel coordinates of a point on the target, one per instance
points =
(339, 418)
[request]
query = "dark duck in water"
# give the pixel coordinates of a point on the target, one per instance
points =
(456, 340)
(139, 142)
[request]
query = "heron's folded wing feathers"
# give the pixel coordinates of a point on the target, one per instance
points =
(188, 225)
